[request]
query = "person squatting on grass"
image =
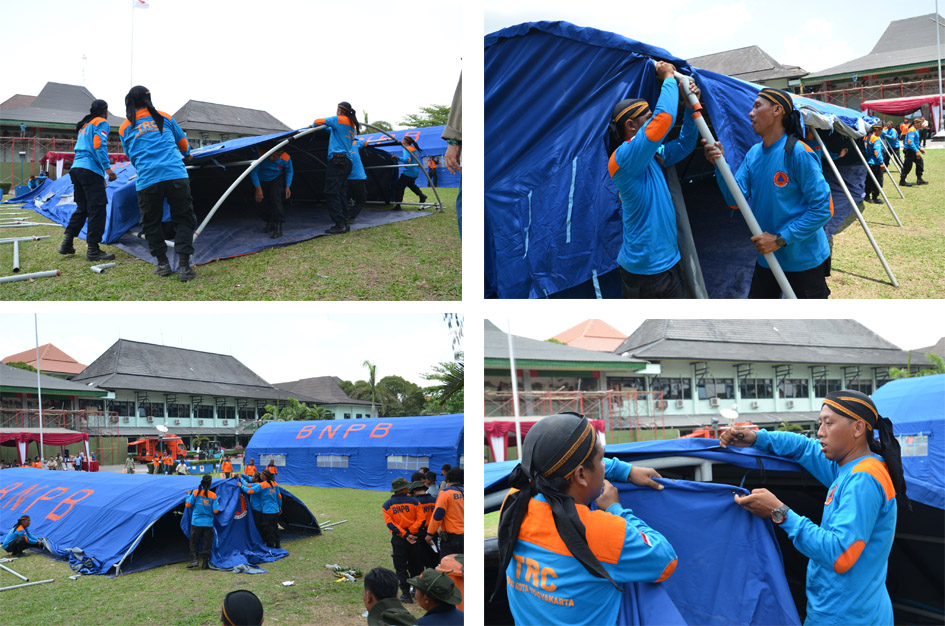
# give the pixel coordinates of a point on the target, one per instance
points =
(343, 126)
(849, 550)
(784, 184)
(276, 174)
(158, 158)
(408, 177)
(20, 538)
(205, 506)
(649, 255)
(380, 600)
(89, 171)
(546, 529)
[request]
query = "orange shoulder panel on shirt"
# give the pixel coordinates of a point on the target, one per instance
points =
(612, 166)
(877, 469)
(605, 532)
(319, 122)
(668, 571)
(121, 129)
(659, 126)
(344, 120)
(182, 144)
(846, 560)
(96, 142)
(284, 157)
(167, 115)
(806, 147)
(142, 113)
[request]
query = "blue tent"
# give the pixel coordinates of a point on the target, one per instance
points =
(234, 229)
(122, 523)
(431, 145)
(41, 189)
(552, 219)
(358, 454)
(916, 407)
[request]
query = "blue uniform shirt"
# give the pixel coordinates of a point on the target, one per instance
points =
(649, 217)
(19, 531)
(849, 551)
(342, 134)
(411, 170)
(264, 497)
(91, 148)
(357, 168)
(155, 155)
(791, 200)
(269, 170)
(874, 151)
(205, 506)
(892, 137)
(911, 140)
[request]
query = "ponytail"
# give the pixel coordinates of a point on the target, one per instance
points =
(205, 484)
(887, 446)
(140, 97)
(99, 108)
(352, 115)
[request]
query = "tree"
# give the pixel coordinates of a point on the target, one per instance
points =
(21, 365)
(372, 369)
(295, 410)
(447, 397)
(936, 362)
(454, 321)
(402, 397)
(382, 125)
(433, 115)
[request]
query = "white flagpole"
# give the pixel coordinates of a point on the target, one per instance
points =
(39, 389)
(131, 65)
(518, 426)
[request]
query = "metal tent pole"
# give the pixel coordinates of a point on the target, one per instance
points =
(859, 215)
(16, 257)
(898, 169)
(733, 187)
(19, 277)
(38, 582)
(875, 182)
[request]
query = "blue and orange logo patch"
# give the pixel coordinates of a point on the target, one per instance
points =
(830, 496)
(780, 179)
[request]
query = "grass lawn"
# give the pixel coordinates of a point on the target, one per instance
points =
(913, 252)
(176, 595)
(419, 259)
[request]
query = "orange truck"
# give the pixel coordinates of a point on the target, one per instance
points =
(146, 447)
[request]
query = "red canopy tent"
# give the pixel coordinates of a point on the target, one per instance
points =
(500, 432)
(906, 106)
(21, 438)
(62, 158)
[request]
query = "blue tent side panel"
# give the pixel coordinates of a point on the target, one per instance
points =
(431, 145)
(358, 448)
(32, 193)
(916, 406)
(716, 582)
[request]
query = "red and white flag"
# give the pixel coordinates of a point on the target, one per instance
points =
(140, 4)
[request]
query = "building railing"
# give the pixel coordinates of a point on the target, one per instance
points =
(82, 421)
(876, 92)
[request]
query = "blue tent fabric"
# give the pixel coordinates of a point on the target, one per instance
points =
(729, 569)
(106, 515)
(32, 193)
(431, 144)
(916, 406)
(359, 449)
(552, 214)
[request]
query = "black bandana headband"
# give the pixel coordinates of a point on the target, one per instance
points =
(776, 96)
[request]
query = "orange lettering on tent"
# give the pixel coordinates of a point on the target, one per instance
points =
(331, 433)
(46, 496)
(305, 432)
(20, 499)
(71, 501)
(353, 427)
(385, 425)
(5, 490)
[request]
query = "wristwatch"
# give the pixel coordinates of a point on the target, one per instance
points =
(780, 240)
(779, 514)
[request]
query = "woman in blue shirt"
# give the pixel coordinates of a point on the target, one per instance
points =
(409, 175)
(88, 173)
(343, 128)
(782, 179)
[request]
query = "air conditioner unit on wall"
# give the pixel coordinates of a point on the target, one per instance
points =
(680, 404)
(150, 419)
(177, 422)
(713, 401)
(126, 419)
(660, 404)
(790, 404)
(755, 404)
(199, 422)
(225, 422)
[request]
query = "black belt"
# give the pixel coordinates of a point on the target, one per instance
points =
(448, 535)
(338, 155)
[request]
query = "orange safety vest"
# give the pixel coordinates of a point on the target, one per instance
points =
(226, 467)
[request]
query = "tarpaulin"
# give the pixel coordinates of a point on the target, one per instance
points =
(552, 214)
(916, 407)
(357, 454)
(42, 188)
(123, 523)
(431, 145)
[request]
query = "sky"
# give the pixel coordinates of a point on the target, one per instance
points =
(812, 34)
(295, 59)
(278, 347)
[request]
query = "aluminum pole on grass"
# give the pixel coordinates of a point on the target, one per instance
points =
(733, 187)
(439, 203)
(246, 173)
(38, 582)
(18, 277)
(869, 172)
(518, 425)
(16, 257)
(33, 238)
(894, 153)
(856, 210)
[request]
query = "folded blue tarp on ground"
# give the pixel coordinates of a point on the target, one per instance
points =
(32, 193)
(106, 515)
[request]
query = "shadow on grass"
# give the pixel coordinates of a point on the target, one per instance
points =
(834, 270)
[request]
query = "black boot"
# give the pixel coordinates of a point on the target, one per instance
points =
(268, 228)
(396, 207)
(94, 253)
(903, 183)
(338, 228)
(206, 563)
(163, 267)
(921, 181)
(193, 563)
(185, 272)
(67, 247)
(423, 198)
(405, 597)
(277, 231)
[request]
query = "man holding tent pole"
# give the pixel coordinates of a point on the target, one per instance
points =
(783, 179)
(649, 255)
(892, 138)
